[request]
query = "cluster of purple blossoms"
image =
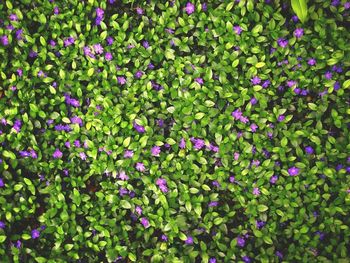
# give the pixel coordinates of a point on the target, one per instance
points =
(162, 185)
(238, 115)
(71, 101)
(198, 143)
(189, 8)
(293, 171)
(99, 16)
(140, 167)
(30, 153)
(139, 128)
(17, 125)
(63, 127)
(282, 42)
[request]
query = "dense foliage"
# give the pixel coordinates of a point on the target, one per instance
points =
(174, 131)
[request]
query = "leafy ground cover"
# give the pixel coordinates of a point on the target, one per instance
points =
(174, 131)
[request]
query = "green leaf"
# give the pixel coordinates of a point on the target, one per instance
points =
(90, 72)
(42, 41)
(346, 84)
(300, 8)
(132, 257)
(2, 239)
(42, 19)
(17, 187)
(262, 208)
(9, 155)
(27, 181)
(125, 204)
(33, 107)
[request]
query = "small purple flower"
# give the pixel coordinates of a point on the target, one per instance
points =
(260, 224)
(182, 143)
(139, 128)
(82, 156)
(99, 12)
(189, 240)
(35, 234)
(108, 56)
(164, 238)
(282, 42)
(56, 11)
(237, 29)
(236, 156)
(4, 40)
(246, 259)
(299, 32)
(273, 179)
(145, 222)
(309, 150)
(33, 54)
(336, 86)
(281, 118)
(19, 33)
(255, 80)
(295, 19)
(335, 3)
(123, 176)
(254, 127)
(138, 74)
(98, 48)
(138, 210)
(328, 75)
(17, 125)
(212, 260)
(293, 171)
(139, 11)
(18, 244)
(2, 184)
(213, 204)
(198, 144)
(155, 151)
(2, 225)
(199, 81)
(240, 241)
(189, 8)
(128, 154)
(145, 44)
(347, 5)
(110, 41)
(311, 62)
(140, 167)
(253, 101)
(291, 83)
(121, 80)
(57, 154)
(77, 143)
(256, 191)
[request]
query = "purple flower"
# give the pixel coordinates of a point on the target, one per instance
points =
(140, 167)
(56, 11)
(255, 80)
(182, 143)
(189, 240)
(189, 8)
(18, 244)
(82, 156)
(199, 81)
(336, 86)
(33, 154)
(256, 191)
(123, 176)
(299, 32)
(57, 154)
(128, 154)
(295, 19)
(138, 74)
(35, 234)
(213, 204)
(335, 3)
(98, 48)
(139, 128)
(311, 62)
(145, 222)
(282, 42)
(19, 33)
(99, 12)
(198, 144)
(17, 125)
(309, 150)
(108, 56)
(293, 171)
(240, 241)
(2, 225)
(212, 260)
(260, 224)
(155, 151)
(273, 179)
(237, 114)
(253, 101)
(266, 83)
(121, 80)
(77, 143)
(246, 259)
(76, 120)
(145, 44)
(69, 41)
(281, 118)
(237, 29)
(110, 41)
(254, 127)
(4, 40)
(139, 11)
(291, 83)
(347, 5)
(13, 17)
(328, 75)
(164, 238)
(138, 210)
(33, 54)
(2, 184)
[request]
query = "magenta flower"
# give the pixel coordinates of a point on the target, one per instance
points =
(1, 185)
(155, 151)
(99, 12)
(293, 171)
(328, 75)
(189, 240)
(35, 234)
(123, 176)
(140, 167)
(98, 48)
(145, 222)
(2, 225)
(139, 11)
(237, 29)
(236, 156)
(240, 241)
(309, 150)
(256, 191)
(237, 114)
(138, 210)
(281, 118)
(56, 11)
(182, 143)
(189, 8)
(4, 40)
(108, 56)
(57, 154)
(128, 154)
(82, 156)
(254, 127)
(273, 179)
(199, 81)
(198, 144)
(121, 80)
(282, 42)
(299, 32)
(139, 128)
(255, 80)
(311, 62)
